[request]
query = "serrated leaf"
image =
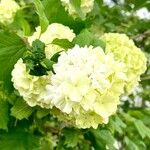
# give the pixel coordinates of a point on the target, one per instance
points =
(130, 145)
(21, 110)
(64, 43)
(117, 124)
(101, 138)
(19, 140)
(143, 130)
(3, 114)
(42, 17)
(71, 137)
(12, 48)
(87, 38)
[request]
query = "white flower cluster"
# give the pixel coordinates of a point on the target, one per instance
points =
(86, 7)
(54, 31)
(32, 88)
(87, 85)
(8, 8)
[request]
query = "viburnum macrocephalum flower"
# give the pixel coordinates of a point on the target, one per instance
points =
(124, 50)
(86, 85)
(54, 31)
(31, 88)
(86, 7)
(8, 9)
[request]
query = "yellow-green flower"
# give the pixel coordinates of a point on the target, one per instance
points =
(54, 31)
(86, 85)
(86, 7)
(8, 9)
(125, 51)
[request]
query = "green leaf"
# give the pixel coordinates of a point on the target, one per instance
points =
(48, 64)
(130, 145)
(101, 139)
(143, 130)
(87, 38)
(34, 57)
(21, 110)
(42, 17)
(64, 43)
(117, 124)
(52, 11)
(12, 48)
(76, 4)
(42, 113)
(71, 137)
(55, 56)
(18, 139)
(3, 114)
(22, 22)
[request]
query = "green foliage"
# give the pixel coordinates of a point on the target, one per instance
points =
(22, 22)
(21, 110)
(35, 59)
(101, 139)
(87, 38)
(42, 113)
(72, 137)
(52, 11)
(18, 139)
(142, 129)
(64, 43)
(130, 144)
(76, 4)
(42, 17)
(4, 114)
(12, 48)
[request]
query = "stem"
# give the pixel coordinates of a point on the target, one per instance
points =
(145, 78)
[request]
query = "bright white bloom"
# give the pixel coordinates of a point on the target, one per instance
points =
(8, 8)
(31, 88)
(125, 51)
(86, 7)
(143, 13)
(54, 31)
(87, 85)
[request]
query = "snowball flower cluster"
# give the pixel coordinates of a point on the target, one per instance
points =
(54, 31)
(86, 85)
(31, 88)
(8, 8)
(86, 7)
(125, 51)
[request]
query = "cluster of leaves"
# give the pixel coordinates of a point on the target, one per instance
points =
(26, 128)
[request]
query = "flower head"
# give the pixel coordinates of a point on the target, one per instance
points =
(31, 88)
(8, 8)
(54, 31)
(86, 84)
(125, 51)
(86, 6)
